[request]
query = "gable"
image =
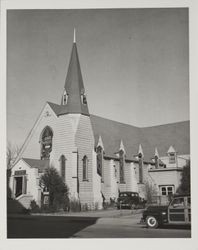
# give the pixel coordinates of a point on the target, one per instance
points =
(30, 148)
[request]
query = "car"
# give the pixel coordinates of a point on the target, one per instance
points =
(177, 212)
(130, 200)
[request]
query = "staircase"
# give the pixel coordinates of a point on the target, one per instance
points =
(19, 205)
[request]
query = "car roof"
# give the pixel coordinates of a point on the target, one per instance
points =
(128, 192)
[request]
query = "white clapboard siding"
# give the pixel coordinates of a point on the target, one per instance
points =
(64, 129)
(166, 177)
(85, 144)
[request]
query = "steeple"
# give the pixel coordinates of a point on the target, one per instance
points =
(74, 98)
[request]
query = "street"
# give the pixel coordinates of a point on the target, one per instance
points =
(104, 224)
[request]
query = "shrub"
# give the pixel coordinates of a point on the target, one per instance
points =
(34, 208)
(75, 205)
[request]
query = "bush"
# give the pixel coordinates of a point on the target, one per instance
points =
(34, 208)
(184, 187)
(75, 205)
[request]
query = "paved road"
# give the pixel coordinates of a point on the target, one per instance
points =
(105, 224)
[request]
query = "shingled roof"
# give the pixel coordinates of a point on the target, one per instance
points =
(161, 136)
(41, 165)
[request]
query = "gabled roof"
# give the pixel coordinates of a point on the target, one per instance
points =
(160, 137)
(176, 134)
(55, 107)
(112, 133)
(41, 165)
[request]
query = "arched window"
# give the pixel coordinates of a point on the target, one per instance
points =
(83, 99)
(85, 168)
(46, 143)
(121, 153)
(62, 167)
(99, 152)
(140, 167)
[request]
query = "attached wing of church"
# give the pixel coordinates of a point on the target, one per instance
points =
(97, 157)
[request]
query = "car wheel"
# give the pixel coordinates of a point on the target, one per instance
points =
(151, 222)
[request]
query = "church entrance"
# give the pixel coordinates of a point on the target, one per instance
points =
(19, 186)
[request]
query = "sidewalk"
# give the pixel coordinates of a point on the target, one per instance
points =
(109, 213)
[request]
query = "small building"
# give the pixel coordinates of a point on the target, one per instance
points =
(97, 157)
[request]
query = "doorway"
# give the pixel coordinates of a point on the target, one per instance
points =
(19, 186)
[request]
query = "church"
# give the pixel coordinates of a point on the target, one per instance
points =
(96, 157)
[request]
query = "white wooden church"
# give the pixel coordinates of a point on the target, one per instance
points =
(97, 157)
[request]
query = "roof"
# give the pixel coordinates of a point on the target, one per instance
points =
(41, 165)
(160, 137)
(74, 87)
(163, 136)
(112, 133)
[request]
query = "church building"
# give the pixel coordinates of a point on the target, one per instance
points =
(96, 157)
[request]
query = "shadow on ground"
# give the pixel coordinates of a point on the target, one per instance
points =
(178, 227)
(46, 226)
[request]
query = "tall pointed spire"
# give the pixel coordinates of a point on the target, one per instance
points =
(75, 101)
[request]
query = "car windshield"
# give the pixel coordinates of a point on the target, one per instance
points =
(177, 202)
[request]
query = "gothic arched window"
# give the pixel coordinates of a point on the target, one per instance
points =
(99, 152)
(140, 167)
(85, 168)
(121, 153)
(46, 143)
(63, 166)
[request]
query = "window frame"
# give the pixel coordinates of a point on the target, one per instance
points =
(85, 168)
(121, 167)
(44, 152)
(166, 187)
(99, 161)
(63, 160)
(172, 158)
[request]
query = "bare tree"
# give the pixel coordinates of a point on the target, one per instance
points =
(11, 154)
(151, 192)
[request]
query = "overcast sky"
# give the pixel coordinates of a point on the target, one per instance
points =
(134, 64)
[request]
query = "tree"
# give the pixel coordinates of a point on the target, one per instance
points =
(12, 153)
(58, 191)
(150, 192)
(184, 187)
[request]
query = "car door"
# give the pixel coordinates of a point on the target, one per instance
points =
(177, 210)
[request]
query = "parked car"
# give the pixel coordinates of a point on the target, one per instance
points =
(177, 212)
(130, 200)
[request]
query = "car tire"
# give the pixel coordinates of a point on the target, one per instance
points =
(151, 222)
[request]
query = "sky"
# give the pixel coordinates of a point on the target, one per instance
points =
(134, 63)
